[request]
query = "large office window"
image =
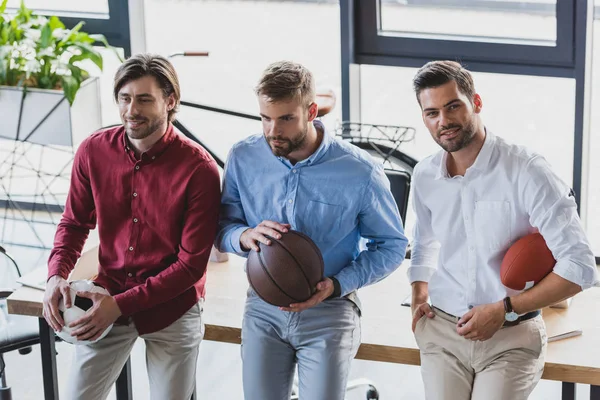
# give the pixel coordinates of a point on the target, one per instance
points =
(517, 22)
(593, 179)
(243, 37)
(66, 7)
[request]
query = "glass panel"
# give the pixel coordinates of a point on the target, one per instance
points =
(499, 21)
(593, 181)
(516, 108)
(64, 7)
(239, 54)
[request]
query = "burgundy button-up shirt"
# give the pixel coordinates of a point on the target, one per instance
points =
(157, 219)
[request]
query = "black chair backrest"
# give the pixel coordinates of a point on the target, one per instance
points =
(400, 187)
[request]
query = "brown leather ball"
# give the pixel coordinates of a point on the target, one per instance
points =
(287, 271)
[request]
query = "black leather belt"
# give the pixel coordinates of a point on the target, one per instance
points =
(522, 318)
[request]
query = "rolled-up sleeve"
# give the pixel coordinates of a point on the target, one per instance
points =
(380, 224)
(232, 222)
(425, 247)
(553, 211)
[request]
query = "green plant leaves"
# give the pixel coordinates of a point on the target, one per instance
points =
(36, 51)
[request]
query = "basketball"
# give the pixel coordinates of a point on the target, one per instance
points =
(526, 262)
(287, 271)
(79, 306)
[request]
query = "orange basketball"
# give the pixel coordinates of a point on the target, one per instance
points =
(526, 262)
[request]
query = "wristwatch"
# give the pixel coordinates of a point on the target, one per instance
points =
(510, 315)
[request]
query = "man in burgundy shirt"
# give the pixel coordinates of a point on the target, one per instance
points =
(155, 197)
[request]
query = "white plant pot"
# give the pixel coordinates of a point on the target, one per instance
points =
(45, 117)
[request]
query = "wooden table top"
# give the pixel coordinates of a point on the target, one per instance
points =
(386, 332)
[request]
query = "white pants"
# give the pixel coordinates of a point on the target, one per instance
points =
(171, 356)
(507, 366)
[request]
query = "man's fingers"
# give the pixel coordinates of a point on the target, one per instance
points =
(464, 329)
(66, 295)
(426, 308)
(81, 321)
(55, 313)
(88, 334)
(283, 228)
(54, 324)
(263, 230)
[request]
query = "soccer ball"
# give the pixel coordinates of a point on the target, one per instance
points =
(80, 305)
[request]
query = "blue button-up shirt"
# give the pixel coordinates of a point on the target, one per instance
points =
(336, 196)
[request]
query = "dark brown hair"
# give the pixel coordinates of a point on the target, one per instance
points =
(286, 80)
(141, 65)
(438, 73)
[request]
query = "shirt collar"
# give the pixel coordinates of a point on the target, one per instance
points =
(481, 162)
(157, 149)
(321, 150)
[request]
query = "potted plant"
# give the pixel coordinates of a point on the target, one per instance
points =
(46, 92)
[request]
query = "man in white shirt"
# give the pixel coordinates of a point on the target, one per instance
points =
(473, 200)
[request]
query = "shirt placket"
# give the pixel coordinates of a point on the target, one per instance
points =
(135, 220)
(467, 212)
(291, 190)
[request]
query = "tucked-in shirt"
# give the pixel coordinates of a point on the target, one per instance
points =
(336, 196)
(157, 219)
(465, 224)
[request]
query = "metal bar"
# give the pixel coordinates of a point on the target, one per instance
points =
(193, 137)
(123, 385)
(221, 110)
(583, 70)
(48, 352)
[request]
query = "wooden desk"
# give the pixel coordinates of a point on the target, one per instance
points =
(386, 333)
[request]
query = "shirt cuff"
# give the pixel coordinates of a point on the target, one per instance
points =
(235, 240)
(582, 275)
(420, 274)
(56, 268)
(126, 303)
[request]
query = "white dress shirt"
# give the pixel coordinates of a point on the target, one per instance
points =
(465, 224)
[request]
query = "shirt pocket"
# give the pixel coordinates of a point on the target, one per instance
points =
(492, 225)
(321, 221)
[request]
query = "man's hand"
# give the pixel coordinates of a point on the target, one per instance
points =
(324, 290)
(481, 322)
(57, 289)
(250, 238)
(419, 310)
(104, 312)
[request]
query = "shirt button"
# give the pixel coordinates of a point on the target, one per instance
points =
(134, 194)
(153, 157)
(135, 220)
(294, 171)
(472, 248)
(130, 248)
(130, 274)
(137, 167)
(290, 201)
(467, 218)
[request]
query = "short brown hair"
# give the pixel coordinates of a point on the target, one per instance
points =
(286, 80)
(145, 64)
(438, 73)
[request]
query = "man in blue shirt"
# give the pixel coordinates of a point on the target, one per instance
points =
(298, 176)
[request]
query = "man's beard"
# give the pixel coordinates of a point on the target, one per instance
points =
(465, 136)
(289, 145)
(150, 126)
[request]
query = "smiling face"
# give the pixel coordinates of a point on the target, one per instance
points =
(450, 116)
(143, 107)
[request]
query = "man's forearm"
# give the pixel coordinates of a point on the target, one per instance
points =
(420, 292)
(550, 290)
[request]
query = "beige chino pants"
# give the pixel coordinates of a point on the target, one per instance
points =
(505, 367)
(171, 356)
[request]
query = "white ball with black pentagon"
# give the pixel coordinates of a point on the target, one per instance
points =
(80, 305)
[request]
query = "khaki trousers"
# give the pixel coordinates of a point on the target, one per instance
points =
(504, 367)
(171, 356)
